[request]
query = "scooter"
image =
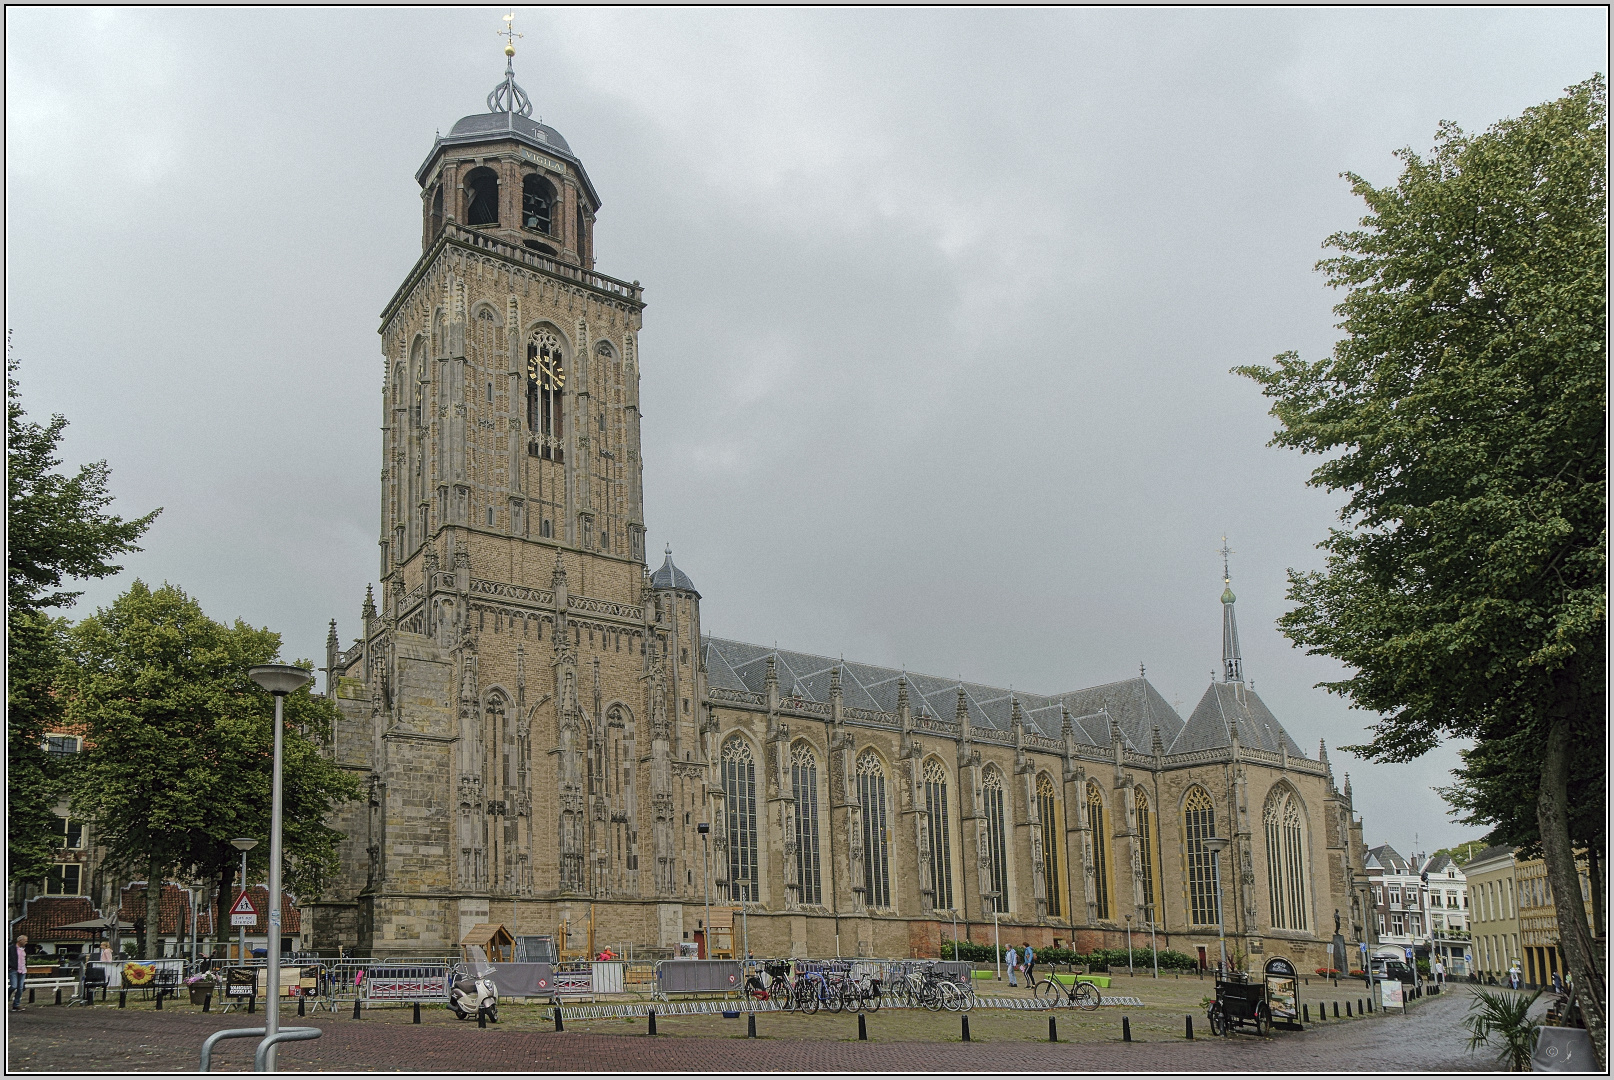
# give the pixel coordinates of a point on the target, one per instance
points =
(472, 993)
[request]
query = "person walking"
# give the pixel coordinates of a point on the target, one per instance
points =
(19, 971)
(1011, 961)
(1440, 972)
(1513, 976)
(1030, 962)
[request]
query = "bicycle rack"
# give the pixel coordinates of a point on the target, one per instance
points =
(260, 1060)
(291, 1034)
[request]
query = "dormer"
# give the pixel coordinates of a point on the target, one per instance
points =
(504, 174)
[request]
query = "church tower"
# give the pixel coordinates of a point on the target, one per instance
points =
(522, 689)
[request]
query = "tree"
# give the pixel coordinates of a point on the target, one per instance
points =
(56, 529)
(180, 744)
(1463, 412)
(1463, 852)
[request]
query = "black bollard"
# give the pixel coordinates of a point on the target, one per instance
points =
(417, 1013)
(123, 998)
(207, 1003)
(1188, 1027)
(1305, 1014)
(1126, 1030)
(862, 1028)
(1369, 1004)
(300, 1006)
(560, 1025)
(1336, 1010)
(651, 1014)
(751, 1024)
(1053, 1032)
(966, 1021)
(30, 995)
(159, 999)
(252, 1003)
(58, 995)
(1347, 1009)
(482, 1019)
(355, 1008)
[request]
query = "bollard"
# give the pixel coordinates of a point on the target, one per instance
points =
(966, 1021)
(159, 1000)
(1188, 1027)
(482, 1019)
(207, 1002)
(123, 998)
(751, 1024)
(1305, 1014)
(300, 1005)
(1053, 1032)
(1126, 1030)
(355, 1008)
(58, 995)
(862, 1028)
(1369, 1004)
(1336, 1010)
(651, 1014)
(1347, 1010)
(417, 1013)
(560, 1025)
(30, 995)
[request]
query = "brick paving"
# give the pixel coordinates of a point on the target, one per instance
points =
(50, 1039)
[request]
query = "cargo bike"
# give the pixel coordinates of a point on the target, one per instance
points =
(1240, 1003)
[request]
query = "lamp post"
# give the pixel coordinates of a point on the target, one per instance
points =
(1154, 946)
(1216, 845)
(997, 945)
(1128, 919)
(955, 933)
(705, 829)
(243, 844)
(279, 680)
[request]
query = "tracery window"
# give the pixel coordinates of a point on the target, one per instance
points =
(941, 849)
(804, 786)
(740, 795)
(1199, 823)
(876, 836)
(1286, 860)
(1053, 829)
(546, 381)
(1146, 850)
(997, 848)
(1101, 850)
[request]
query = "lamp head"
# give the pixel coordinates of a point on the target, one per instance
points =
(703, 828)
(243, 843)
(279, 679)
(1215, 844)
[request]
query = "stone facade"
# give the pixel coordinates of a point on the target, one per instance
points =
(541, 724)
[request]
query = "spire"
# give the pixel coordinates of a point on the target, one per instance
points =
(330, 638)
(369, 602)
(902, 692)
(1159, 744)
(508, 97)
(1232, 663)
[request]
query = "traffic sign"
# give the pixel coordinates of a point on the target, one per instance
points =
(243, 913)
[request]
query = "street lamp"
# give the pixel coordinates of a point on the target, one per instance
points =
(243, 844)
(705, 830)
(1128, 919)
(279, 680)
(997, 945)
(1216, 845)
(1154, 946)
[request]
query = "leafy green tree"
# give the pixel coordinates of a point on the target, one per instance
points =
(56, 529)
(1464, 852)
(1463, 412)
(180, 744)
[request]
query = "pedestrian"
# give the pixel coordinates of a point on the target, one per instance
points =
(19, 971)
(1030, 962)
(106, 951)
(1513, 976)
(1440, 972)
(1011, 962)
(1557, 984)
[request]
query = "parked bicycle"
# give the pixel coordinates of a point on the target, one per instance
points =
(1054, 991)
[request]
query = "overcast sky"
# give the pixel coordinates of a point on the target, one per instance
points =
(941, 303)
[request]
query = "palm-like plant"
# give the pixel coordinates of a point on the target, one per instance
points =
(1500, 1017)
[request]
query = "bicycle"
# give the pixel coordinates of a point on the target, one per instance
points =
(1080, 994)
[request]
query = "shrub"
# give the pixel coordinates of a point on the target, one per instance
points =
(1327, 972)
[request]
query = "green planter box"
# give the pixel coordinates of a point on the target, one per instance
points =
(983, 974)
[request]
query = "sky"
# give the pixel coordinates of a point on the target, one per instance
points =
(942, 304)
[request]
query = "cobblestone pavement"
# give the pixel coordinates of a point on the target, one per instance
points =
(51, 1039)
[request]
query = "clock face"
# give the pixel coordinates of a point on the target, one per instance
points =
(545, 370)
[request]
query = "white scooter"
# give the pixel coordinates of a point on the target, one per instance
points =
(472, 993)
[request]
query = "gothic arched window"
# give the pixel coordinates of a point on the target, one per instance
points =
(1286, 860)
(1140, 800)
(941, 848)
(1199, 822)
(804, 787)
(740, 796)
(537, 203)
(1053, 828)
(482, 197)
(1101, 850)
(876, 834)
(997, 848)
(546, 382)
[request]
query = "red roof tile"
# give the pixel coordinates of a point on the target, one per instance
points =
(43, 912)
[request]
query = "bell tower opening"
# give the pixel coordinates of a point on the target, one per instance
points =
(481, 197)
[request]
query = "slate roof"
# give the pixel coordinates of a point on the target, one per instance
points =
(1387, 858)
(1133, 703)
(670, 577)
(1211, 723)
(1490, 853)
(481, 127)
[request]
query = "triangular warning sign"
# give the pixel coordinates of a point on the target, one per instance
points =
(243, 906)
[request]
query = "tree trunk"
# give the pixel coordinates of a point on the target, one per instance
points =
(154, 900)
(1552, 818)
(1595, 878)
(226, 897)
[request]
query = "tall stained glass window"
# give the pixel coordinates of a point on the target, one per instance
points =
(804, 786)
(876, 834)
(997, 848)
(1053, 832)
(1101, 849)
(941, 849)
(739, 776)
(1199, 822)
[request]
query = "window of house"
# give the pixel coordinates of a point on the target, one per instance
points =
(63, 880)
(1396, 925)
(62, 745)
(1378, 896)
(1395, 897)
(1381, 926)
(69, 834)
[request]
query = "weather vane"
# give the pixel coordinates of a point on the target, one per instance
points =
(1224, 552)
(509, 34)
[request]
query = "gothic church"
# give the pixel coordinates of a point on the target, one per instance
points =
(541, 723)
